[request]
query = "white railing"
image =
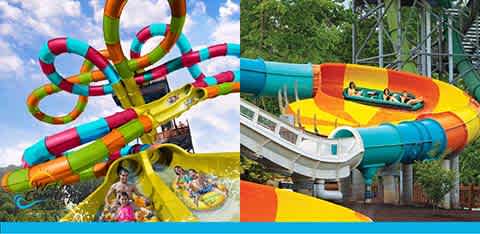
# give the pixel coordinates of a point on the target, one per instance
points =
(314, 147)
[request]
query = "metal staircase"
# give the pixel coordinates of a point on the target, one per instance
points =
(471, 42)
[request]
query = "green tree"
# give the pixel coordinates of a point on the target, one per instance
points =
(470, 168)
(435, 181)
(253, 171)
(470, 164)
(283, 30)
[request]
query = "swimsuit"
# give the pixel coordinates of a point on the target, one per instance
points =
(126, 214)
(205, 189)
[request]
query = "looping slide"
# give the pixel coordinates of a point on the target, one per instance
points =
(160, 30)
(111, 29)
(59, 46)
(189, 58)
(39, 93)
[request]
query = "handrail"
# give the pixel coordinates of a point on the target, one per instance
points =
(254, 114)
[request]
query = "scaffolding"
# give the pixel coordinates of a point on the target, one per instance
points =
(430, 52)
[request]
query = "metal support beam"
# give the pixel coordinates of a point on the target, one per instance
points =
(399, 35)
(450, 49)
(380, 33)
(428, 28)
(354, 35)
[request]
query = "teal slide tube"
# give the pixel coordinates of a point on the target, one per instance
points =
(406, 142)
(267, 78)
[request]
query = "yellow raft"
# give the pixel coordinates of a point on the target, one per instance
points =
(207, 201)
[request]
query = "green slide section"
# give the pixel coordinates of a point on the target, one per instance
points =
(391, 15)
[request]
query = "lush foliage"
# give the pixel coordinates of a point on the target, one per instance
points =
(55, 205)
(253, 171)
(435, 181)
(470, 164)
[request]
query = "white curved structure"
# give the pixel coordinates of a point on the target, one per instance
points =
(300, 152)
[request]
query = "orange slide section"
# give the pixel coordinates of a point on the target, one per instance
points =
(453, 108)
(260, 203)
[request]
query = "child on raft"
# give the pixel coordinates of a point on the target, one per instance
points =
(201, 185)
(182, 178)
(126, 211)
(197, 184)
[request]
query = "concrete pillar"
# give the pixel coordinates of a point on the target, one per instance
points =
(303, 184)
(407, 191)
(318, 184)
(390, 193)
(358, 186)
(391, 184)
(455, 194)
(346, 188)
(446, 199)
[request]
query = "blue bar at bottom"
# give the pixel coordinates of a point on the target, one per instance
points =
(397, 227)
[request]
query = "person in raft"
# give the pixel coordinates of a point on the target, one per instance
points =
(126, 209)
(388, 96)
(201, 185)
(408, 100)
(352, 89)
(182, 178)
(120, 187)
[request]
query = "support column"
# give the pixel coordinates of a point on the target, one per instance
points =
(390, 193)
(380, 34)
(391, 184)
(428, 30)
(358, 186)
(455, 194)
(446, 199)
(303, 184)
(346, 188)
(407, 174)
(450, 48)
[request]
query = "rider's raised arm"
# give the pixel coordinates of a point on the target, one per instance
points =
(109, 193)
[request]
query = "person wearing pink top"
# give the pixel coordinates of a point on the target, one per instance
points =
(126, 211)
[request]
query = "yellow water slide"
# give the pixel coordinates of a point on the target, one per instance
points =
(167, 206)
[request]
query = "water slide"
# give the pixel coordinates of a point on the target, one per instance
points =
(168, 207)
(298, 151)
(444, 125)
(260, 203)
(49, 162)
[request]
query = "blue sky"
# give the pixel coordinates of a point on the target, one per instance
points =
(26, 25)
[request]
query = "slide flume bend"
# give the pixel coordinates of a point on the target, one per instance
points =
(168, 207)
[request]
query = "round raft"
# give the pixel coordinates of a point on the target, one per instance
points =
(140, 215)
(207, 201)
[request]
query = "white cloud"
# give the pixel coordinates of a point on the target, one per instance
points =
(5, 29)
(9, 61)
(228, 9)
(9, 11)
(54, 8)
(217, 65)
(228, 29)
(199, 8)
(141, 13)
(218, 130)
(12, 155)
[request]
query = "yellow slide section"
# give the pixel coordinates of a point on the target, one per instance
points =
(329, 110)
(168, 207)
